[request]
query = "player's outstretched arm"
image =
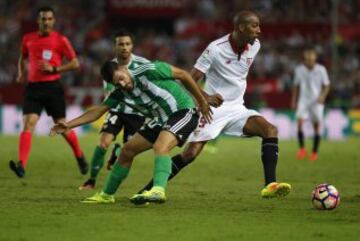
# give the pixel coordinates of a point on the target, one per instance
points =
(91, 115)
(194, 89)
(214, 100)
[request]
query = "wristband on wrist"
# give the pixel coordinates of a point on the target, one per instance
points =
(54, 70)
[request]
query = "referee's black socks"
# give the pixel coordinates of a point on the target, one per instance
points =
(269, 157)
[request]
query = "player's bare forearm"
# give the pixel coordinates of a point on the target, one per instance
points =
(71, 65)
(194, 89)
(89, 116)
(294, 96)
(21, 69)
(324, 93)
(197, 76)
(189, 83)
(92, 114)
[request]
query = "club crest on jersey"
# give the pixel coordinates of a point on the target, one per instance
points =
(249, 61)
(46, 54)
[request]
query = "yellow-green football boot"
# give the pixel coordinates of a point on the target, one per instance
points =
(99, 197)
(155, 195)
(275, 189)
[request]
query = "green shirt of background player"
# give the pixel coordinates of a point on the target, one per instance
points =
(152, 90)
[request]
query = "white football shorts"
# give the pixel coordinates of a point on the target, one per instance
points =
(311, 111)
(227, 119)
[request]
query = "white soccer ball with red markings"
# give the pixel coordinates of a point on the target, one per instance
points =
(325, 197)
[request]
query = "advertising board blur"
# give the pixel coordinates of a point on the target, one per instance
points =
(337, 124)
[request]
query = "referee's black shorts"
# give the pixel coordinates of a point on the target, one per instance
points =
(47, 95)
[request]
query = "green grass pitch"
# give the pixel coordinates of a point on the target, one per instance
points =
(215, 198)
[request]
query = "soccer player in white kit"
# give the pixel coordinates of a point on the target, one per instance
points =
(311, 87)
(225, 63)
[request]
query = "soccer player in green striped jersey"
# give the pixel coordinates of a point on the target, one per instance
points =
(152, 90)
(119, 117)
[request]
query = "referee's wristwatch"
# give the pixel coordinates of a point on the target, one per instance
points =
(54, 70)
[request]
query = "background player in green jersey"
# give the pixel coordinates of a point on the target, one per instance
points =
(120, 116)
(152, 90)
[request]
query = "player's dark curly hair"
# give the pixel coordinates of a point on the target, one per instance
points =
(107, 70)
(123, 32)
(45, 9)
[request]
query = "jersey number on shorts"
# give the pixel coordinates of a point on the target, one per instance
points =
(152, 123)
(111, 119)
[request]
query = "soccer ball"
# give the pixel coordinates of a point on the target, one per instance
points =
(325, 197)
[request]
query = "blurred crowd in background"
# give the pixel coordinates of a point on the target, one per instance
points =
(180, 37)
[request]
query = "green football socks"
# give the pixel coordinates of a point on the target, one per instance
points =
(97, 161)
(162, 171)
(115, 178)
(117, 152)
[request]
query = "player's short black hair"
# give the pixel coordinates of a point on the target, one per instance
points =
(310, 48)
(45, 9)
(123, 32)
(242, 17)
(107, 70)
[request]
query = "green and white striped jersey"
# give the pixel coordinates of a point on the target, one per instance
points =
(156, 94)
(135, 62)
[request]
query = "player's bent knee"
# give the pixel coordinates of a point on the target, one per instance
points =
(271, 131)
(128, 152)
(104, 144)
(127, 155)
(30, 125)
(160, 149)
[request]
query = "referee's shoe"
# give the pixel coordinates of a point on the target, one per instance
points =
(17, 168)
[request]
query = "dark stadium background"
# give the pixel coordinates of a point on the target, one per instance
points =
(177, 32)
